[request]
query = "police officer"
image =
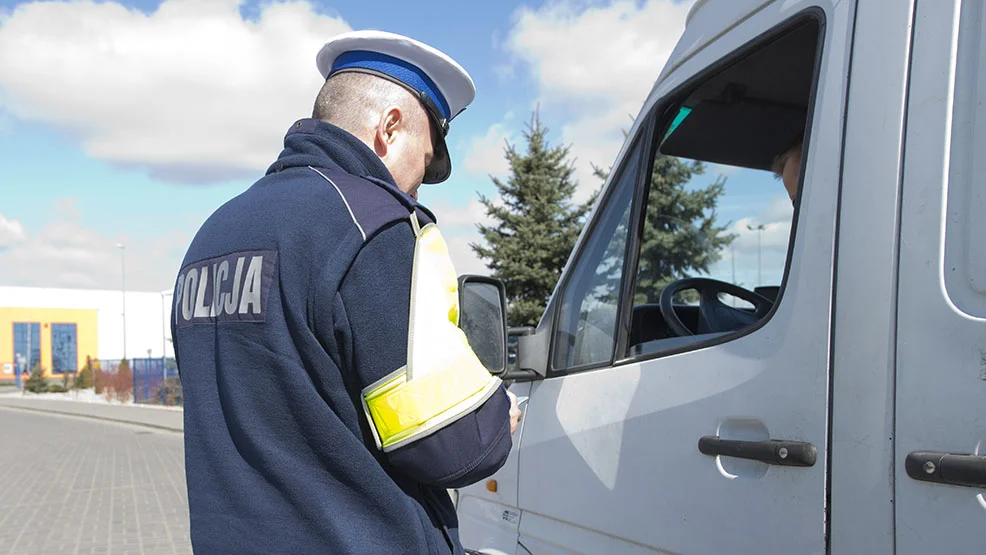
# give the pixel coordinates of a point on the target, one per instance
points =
(293, 302)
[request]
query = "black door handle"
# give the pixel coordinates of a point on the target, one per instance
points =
(947, 468)
(772, 451)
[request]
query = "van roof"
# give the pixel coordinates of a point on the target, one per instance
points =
(706, 20)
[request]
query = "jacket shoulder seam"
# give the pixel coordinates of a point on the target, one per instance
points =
(344, 200)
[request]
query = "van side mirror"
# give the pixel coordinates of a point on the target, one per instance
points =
(483, 318)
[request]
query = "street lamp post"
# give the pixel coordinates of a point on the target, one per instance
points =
(759, 229)
(123, 281)
(18, 370)
(164, 337)
(164, 326)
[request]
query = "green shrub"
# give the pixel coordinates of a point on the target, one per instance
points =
(169, 392)
(37, 383)
(83, 379)
(99, 380)
(123, 382)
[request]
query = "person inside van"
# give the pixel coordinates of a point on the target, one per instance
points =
(787, 167)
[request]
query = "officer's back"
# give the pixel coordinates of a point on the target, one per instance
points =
(292, 302)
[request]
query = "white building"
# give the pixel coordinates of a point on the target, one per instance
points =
(147, 316)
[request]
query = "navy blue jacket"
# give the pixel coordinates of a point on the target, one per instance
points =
(292, 298)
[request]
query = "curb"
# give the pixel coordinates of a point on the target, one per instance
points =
(94, 417)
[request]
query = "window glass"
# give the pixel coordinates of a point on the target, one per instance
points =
(721, 196)
(586, 328)
(965, 227)
(63, 348)
(27, 344)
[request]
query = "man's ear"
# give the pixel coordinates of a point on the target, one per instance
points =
(386, 131)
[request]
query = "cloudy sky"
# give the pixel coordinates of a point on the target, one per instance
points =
(129, 123)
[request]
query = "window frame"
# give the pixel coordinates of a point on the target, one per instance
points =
(644, 133)
(677, 96)
(655, 125)
(75, 334)
(31, 360)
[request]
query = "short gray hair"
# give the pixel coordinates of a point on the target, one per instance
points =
(777, 166)
(352, 100)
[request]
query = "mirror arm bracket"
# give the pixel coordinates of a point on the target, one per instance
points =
(532, 352)
(520, 376)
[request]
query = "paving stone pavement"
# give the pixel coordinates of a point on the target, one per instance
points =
(155, 417)
(78, 486)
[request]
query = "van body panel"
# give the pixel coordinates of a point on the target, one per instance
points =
(706, 21)
(490, 519)
(862, 444)
(875, 348)
(941, 329)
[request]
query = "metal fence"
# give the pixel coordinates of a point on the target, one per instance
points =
(155, 380)
(107, 366)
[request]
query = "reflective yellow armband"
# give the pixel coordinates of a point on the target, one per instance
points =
(443, 379)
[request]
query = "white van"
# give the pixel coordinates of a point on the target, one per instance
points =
(840, 410)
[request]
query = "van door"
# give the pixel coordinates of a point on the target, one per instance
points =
(488, 515)
(691, 416)
(941, 318)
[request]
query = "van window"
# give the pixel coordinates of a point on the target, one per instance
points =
(717, 222)
(586, 328)
(965, 250)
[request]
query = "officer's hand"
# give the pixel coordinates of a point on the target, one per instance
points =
(515, 413)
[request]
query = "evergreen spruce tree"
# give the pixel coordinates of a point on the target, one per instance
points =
(535, 224)
(682, 236)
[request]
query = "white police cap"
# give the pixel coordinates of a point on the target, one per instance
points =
(441, 84)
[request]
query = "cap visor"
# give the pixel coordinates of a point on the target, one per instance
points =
(440, 167)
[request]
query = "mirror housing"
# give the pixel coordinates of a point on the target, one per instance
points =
(483, 319)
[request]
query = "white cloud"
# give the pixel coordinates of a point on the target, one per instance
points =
(463, 257)
(776, 218)
(485, 154)
(463, 217)
(67, 254)
(192, 91)
(774, 235)
(779, 209)
(721, 169)
(600, 62)
(11, 232)
(747, 261)
(599, 53)
(459, 228)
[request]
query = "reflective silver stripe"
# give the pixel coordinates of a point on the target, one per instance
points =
(376, 385)
(336, 187)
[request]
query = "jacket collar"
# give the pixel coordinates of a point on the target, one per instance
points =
(315, 143)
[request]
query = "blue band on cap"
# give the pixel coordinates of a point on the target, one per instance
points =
(398, 69)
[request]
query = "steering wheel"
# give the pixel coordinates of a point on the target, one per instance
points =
(713, 315)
